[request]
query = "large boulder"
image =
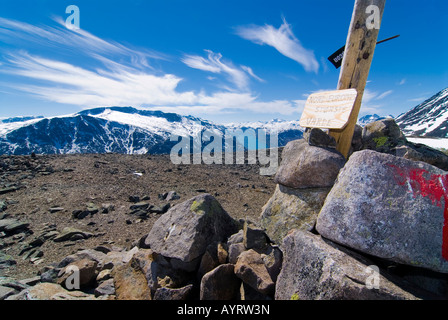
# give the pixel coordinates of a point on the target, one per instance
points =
(385, 136)
(306, 166)
(421, 152)
(291, 209)
(184, 232)
(315, 269)
(382, 136)
(390, 207)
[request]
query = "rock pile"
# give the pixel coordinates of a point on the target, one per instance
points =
(194, 251)
(306, 174)
(384, 216)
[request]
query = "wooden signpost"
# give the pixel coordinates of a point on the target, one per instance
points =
(359, 49)
(357, 58)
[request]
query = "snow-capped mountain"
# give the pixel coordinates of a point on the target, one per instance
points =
(116, 129)
(368, 119)
(428, 119)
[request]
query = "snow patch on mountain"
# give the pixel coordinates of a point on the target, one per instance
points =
(428, 119)
(121, 130)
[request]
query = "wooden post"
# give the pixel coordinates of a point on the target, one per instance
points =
(360, 46)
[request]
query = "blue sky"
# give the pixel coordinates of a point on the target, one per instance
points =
(226, 61)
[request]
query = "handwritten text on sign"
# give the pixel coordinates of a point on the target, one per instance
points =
(330, 109)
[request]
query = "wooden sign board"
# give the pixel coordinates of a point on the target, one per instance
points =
(329, 110)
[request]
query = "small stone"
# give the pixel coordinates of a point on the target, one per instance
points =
(107, 287)
(171, 294)
(56, 209)
(140, 205)
(251, 269)
(253, 237)
(5, 292)
(104, 275)
(220, 284)
(86, 269)
(68, 233)
(134, 199)
(6, 260)
(107, 208)
(172, 195)
(317, 137)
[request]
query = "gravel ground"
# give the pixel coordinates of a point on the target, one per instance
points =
(32, 187)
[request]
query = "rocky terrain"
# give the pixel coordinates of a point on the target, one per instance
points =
(138, 227)
(113, 199)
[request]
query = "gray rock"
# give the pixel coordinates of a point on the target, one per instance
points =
(357, 139)
(185, 231)
(105, 288)
(5, 292)
(382, 136)
(420, 152)
(12, 225)
(389, 207)
(253, 237)
(172, 195)
(318, 138)
(90, 254)
(235, 249)
(50, 274)
(6, 260)
(314, 269)
(50, 291)
(3, 205)
(251, 269)
(214, 255)
(68, 233)
(140, 205)
(220, 284)
(171, 294)
(272, 259)
(291, 209)
(87, 272)
(158, 271)
(305, 166)
(236, 238)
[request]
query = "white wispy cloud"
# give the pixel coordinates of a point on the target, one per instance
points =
(214, 63)
(282, 39)
(384, 94)
(65, 41)
(74, 85)
(110, 74)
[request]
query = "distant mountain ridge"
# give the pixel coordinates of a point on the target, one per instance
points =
(428, 119)
(368, 119)
(117, 129)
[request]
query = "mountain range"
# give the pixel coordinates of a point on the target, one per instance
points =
(120, 130)
(135, 131)
(428, 119)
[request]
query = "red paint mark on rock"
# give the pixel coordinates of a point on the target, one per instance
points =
(433, 186)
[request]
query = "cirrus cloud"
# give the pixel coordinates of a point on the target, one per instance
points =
(91, 72)
(282, 39)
